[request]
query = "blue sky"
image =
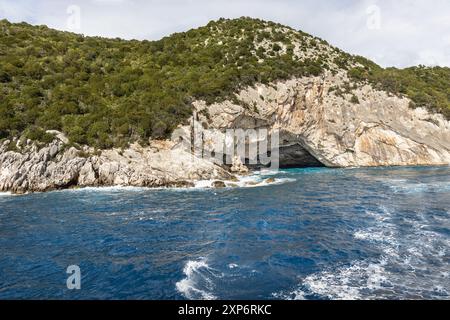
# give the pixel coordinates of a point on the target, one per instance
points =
(391, 32)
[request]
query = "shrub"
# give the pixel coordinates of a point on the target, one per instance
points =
(354, 99)
(110, 92)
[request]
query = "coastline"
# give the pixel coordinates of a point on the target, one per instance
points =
(336, 233)
(255, 179)
(314, 127)
(252, 180)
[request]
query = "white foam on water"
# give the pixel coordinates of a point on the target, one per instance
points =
(297, 294)
(257, 179)
(109, 189)
(401, 272)
(278, 181)
(382, 232)
(344, 283)
(347, 282)
(402, 186)
(373, 234)
(254, 181)
(281, 181)
(204, 184)
(441, 290)
(442, 252)
(196, 272)
(376, 276)
(268, 172)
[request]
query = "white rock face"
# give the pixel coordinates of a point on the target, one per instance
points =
(317, 126)
(379, 130)
(52, 168)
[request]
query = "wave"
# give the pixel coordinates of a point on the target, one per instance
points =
(106, 189)
(345, 283)
(252, 181)
(198, 283)
(401, 272)
(255, 181)
(381, 231)
(268, 172)
(420, 187)
(369, 281)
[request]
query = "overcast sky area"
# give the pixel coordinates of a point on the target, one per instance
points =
(391, 32)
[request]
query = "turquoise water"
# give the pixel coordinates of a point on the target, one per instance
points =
(314, 234)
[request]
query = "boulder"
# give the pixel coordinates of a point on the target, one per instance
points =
(219, 184)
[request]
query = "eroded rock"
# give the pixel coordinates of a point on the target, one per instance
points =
(316, 125)
(219, 184)
(53, 168)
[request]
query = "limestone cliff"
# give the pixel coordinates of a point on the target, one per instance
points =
(360, 127)
(56, 167)
(318, 124)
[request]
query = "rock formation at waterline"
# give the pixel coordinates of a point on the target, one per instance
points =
(56, 167)
(319, 127)
(114, 102)
(316, 127)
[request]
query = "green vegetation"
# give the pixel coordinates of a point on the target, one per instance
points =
(110, 92)
(354, 99)
(426, 87)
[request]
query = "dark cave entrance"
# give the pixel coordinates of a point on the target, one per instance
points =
(293, 156)
(296, 156)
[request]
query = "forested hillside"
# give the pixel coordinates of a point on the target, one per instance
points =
(427, 87)
(110, 92)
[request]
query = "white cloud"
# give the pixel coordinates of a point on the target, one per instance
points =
(432, 58)
(14, 11)
(410, 31)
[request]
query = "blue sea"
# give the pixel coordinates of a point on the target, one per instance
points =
(312, 234)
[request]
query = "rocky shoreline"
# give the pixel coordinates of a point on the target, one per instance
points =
(55, 167)
(162, 165)
(316, 127)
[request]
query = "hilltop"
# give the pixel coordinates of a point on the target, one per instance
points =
(81, 111)
(110, 92)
